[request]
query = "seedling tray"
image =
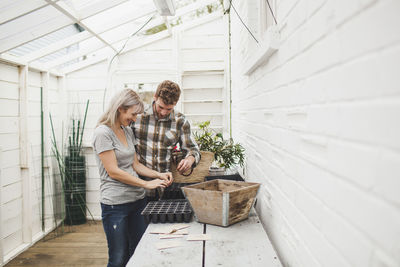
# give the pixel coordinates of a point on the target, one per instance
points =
(167, 211)
(174, 191)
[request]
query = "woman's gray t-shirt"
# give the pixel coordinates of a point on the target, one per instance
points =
(114, 192)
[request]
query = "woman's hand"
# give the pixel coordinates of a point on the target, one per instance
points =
(166, 176)
(155, 183)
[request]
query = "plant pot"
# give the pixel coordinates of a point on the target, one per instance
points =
(216, 171)
(75, 190)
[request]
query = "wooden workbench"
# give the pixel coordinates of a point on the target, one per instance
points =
(242, 244)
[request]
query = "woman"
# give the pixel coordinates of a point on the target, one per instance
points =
(122, 192)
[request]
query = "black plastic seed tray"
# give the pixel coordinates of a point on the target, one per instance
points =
(174, 191)
(168, 211)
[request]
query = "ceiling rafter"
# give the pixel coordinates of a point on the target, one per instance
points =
(32, 33)
(179, 12)
(144, 41)
(141, 42)
(74, 17)
(78, 38)
(14, 10)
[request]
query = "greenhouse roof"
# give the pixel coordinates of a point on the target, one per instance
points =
(63, 35)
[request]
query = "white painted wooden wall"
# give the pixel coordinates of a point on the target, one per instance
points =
(193, 56)
(20, 140)
(320, 124)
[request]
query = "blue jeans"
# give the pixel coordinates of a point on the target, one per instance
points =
(124, 226)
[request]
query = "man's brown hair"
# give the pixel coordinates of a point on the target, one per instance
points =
(169, 92)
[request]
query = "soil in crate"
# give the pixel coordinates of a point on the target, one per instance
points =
(231, 177)
(174, 191)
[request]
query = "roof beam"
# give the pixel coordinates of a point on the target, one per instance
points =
(139, 43)
(17, 9)
(180, 12)
(32, 29)
(74, 17)
(144, 41)
(47, 50)
(77, 38)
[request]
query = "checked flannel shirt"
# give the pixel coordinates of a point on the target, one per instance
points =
(156, 139)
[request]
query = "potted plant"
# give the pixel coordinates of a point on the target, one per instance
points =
(72, 168)
(227, 153)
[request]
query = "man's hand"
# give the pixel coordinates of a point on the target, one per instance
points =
(166, 176)
(185, 164)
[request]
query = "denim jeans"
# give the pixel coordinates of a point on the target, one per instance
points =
(124, 226)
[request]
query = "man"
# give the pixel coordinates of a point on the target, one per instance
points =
(160, 128)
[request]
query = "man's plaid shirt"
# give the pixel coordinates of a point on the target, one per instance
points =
(157, 138)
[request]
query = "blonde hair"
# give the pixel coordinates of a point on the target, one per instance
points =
(123, 99)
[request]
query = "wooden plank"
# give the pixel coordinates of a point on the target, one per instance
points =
(147, 254)
(1, 212)
(241, 244)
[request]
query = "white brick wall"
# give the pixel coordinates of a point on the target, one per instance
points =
(319, 121)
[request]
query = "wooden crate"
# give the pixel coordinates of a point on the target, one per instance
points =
(199, 173)
(221, 202)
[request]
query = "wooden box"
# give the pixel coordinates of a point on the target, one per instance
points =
(221, 202)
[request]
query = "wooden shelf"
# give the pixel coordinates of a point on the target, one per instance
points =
(203, 114)
(203, 101)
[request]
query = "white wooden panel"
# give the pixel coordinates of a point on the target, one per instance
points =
(11, 209)
(90, 159)
(217, 28)
(9, 141)
(8, 124)
(53, 83)
(33, 94)
(10, 158)
(9, 107)
(93, 196)
(8, 90)
(215, 120)
(11, 192)
(93, 184)
(33, 109)
(95, 209)
(203, 93)
(198, 108)
(10, 175)
(203, 81)
(154, 56)
(12, 225)
(203, 41)
(93, 174)
(8, 73)
(202, 55)
(77, 84)
(35, 79)
(34, 124)
(204, 66)
(11, 242)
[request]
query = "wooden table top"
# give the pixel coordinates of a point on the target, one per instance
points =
(242, 244)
